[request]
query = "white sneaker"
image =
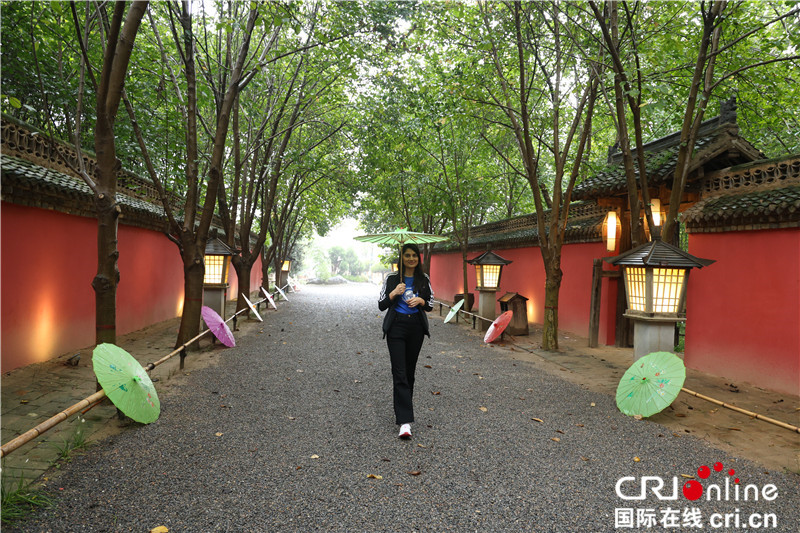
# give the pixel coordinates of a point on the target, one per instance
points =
(405, 431)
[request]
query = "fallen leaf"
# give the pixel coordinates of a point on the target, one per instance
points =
(735, 429)
(637, 417)
(676, 435)
(556, 439)
(483, 409)
(159, 529)
(687, 476)
(713, 411)
(421, 446)
(559, 431)
(637, 459)
(374, 476)
(218, 434)
(315, 456)
(579, 425)
(592, 404)
(538, 420)
(414, 473)
(584, 458)
(680, 415)
(428, 366)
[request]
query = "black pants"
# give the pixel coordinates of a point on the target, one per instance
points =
(404, 341)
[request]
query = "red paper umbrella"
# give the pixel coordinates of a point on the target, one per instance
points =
(218, 326)
(498, 326)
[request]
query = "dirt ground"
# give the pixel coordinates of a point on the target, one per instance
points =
(600, 369)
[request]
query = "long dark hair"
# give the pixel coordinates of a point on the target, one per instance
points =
(419, 274)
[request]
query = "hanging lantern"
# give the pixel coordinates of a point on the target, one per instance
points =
(611, 231)
(655, 209)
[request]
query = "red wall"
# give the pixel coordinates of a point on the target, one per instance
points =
(48, 262)
(743, 312)
(526, 277)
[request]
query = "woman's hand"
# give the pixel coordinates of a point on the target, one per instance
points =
(398, 291)
(415, 301)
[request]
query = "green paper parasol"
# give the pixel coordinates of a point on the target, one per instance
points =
(400, 237)
(651, 384)
(126, 383)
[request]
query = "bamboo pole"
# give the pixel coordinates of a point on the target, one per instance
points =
(31, 434)
(743, 411)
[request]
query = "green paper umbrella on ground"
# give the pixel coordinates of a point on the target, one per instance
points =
(651, 384)
(126, 383)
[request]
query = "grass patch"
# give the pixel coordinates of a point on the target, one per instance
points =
(76, 442)
(18, 502)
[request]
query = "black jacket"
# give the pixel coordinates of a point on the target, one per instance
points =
(385, 302)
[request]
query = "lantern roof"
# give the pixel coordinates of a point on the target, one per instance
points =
(657, 253)
(489, 258)
(214, 246)
(509, 296)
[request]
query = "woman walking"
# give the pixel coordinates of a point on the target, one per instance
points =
(407, 294)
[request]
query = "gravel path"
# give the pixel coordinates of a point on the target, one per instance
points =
(284, 434)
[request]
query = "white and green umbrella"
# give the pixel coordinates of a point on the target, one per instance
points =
(399, 237)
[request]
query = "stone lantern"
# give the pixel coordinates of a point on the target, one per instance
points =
(655, 276)
(215, 282)
(488, 268)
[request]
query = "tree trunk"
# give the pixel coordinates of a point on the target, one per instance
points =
(193, 276)
(552, 286)
(107, 277)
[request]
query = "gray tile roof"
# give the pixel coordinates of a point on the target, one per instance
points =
(584, 224)
(26, 183)
(758, 208)
(660, 167)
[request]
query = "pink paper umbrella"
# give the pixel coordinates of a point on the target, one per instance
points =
(498, 326)
(218, 326)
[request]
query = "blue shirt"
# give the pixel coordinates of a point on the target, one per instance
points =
(402, 300)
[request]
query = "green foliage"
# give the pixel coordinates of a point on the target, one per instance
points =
(18, 501)
(397, 101)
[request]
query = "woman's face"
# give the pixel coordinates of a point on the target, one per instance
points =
(410, 259)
